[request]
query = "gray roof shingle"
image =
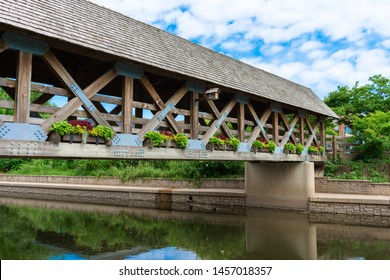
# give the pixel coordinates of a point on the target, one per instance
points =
(89, 25)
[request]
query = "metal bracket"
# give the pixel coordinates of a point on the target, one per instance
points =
(278, 151)
(220, 120)
(22, 132)
(196, 86)
(128, 140)
(25, 44)
(244, 148)
(166, 110)
(129, 70)
(242, 99)
(81, 95)
(195, 145)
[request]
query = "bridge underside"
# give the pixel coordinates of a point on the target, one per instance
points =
(44, 81)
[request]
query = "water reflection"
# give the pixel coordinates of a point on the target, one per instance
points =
(61, 231)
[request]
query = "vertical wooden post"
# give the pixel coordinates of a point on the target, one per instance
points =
(139, 113)
(127, 106)
(194, 109)
(275, 125)
(322, 133)
(240, 122)
(302, 130)
(23, 87)
(334, 146)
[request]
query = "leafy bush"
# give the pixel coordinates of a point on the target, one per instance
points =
(62, 127)
(181, 140)
(312, 149)
(259, 144)
(299, 148)
(216, 141)
(290, 147)
(156, 137)
(271, 146)
(102, 131)
(233, 142)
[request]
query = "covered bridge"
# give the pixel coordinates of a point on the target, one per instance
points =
(135, 78)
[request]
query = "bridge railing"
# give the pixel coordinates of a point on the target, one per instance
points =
(341, 146)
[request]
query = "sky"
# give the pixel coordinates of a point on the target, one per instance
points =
(321, 44)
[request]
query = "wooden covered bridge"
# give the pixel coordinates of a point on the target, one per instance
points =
(64, 60)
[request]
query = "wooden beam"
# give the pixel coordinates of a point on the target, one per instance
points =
(302, 130)
(218, 115)
(275, 126)
(194, 121)
(260, 124)
(288, 127)
(23, 87)
(3, 45)
(139, 113)
(147, 85)
(217, 123)
(312, 132)
(87, 93)
(289, 133)
(240, 122)
(127, 108)
(322, 133)
(159, 116)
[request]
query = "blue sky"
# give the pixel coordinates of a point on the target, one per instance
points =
(316, 43)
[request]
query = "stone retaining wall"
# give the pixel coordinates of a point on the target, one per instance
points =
(205, 183)
(350, 208)
(326, 185)
(164, 199)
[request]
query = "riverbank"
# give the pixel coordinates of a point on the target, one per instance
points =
(210, 196)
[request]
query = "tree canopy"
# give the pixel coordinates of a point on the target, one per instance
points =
(365, 109)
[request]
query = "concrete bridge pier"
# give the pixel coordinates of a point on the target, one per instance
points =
(284, 185)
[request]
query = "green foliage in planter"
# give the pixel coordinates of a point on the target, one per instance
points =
(102, 131)
(62, 127)
(290, 147)
(181, 140)
(258, 144)
(321, 149)
(233, 142)
(216, 141)
(271, 146)
(156, 137)
(312, 149)
(299, 148)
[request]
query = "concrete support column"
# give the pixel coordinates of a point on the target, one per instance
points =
(285, 185)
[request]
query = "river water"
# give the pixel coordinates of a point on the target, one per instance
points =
(31, 229)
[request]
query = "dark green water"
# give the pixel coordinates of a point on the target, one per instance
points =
(51, 230)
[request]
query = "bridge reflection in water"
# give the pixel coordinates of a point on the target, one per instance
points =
(54, 230)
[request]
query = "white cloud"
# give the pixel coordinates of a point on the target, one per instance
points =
(320, 44)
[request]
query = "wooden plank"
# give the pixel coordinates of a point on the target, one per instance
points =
(3, 45)
(194, 121)
(23, 87)
(127, 108)
(289, 134)
(218, 115)
(275, 126)
(322, 133)
(241, 119)
(160, 104)
(217, 123)
(157, 118)
(75, 103)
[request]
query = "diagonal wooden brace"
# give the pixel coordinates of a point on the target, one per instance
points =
(217, 123)
(260, 127)
(83, 95)
(159, 116)
(290, 128)
(160, 104)
(218, 115)
(312, 132)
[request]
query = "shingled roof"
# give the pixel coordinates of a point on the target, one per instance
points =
(89, 25)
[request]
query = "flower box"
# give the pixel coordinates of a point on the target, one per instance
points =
(76, 138)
